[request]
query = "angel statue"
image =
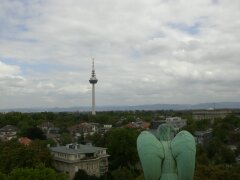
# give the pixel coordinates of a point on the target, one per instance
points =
(165, 157)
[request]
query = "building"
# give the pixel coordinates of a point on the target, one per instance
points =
(83, 129)
(176, 122)
(203, 137)
(24, 141)
(54, 134)
(155, 123)
(8, 132)
(53, 130)
(138, 125)
(73, 157)
(237, 159)
(104, 129)
(46, 126)
(93, 80)
(109, 126)
(210, 114)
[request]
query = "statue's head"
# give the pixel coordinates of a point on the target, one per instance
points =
(165, 132)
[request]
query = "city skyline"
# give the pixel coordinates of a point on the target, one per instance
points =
(146, 52)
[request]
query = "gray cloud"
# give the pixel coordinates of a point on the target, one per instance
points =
(146, 52)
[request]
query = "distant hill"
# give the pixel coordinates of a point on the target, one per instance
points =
(218, 105)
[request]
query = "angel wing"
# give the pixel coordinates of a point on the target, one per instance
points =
(151, 154)
(184, 150)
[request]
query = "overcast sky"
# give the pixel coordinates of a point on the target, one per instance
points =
(146, 52)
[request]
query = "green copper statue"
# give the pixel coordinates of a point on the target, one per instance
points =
(165, 157)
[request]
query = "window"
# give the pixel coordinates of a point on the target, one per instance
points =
(89, 155)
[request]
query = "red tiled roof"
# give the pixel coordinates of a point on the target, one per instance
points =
(25, 141)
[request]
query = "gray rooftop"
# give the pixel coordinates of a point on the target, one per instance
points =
(201, 133)
(82, 149)
(9, 128)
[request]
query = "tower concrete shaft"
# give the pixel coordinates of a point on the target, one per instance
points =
(93, 100)
(93, 80)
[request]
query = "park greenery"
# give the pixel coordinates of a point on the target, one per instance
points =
(214, 160)
(38, 173)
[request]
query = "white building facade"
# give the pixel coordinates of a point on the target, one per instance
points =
(176, 122)
(73, 157)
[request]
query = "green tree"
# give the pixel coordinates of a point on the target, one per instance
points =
(50, 142)
(121, 144)
(202, 157)
(97, 139)
(219, 153)
(14, 154)
(216, 172)
(81, 174)
(3, 176)
(35, 133)
(66, 138)
(122, 173)
(228, 156)
(38, 173)
(202, 125)
(13, 118)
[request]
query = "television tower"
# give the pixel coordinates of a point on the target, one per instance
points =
(93, 80)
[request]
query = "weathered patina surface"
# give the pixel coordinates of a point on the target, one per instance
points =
(165, 157)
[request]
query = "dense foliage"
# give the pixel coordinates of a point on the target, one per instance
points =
(38, 173)
(215, 159)
(81, 174)
(121, 144)
(15, 155)
(34, 133)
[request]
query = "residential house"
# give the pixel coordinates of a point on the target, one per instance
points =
(8, 132)
(142, 125)
(203, 137)
(54, 133)
(176, 122)
(25, 141)
(83, 129)
(104, 129)
(156, 123)
(73, 157)
(46, 126)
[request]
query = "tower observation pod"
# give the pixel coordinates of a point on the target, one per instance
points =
(93, 80)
